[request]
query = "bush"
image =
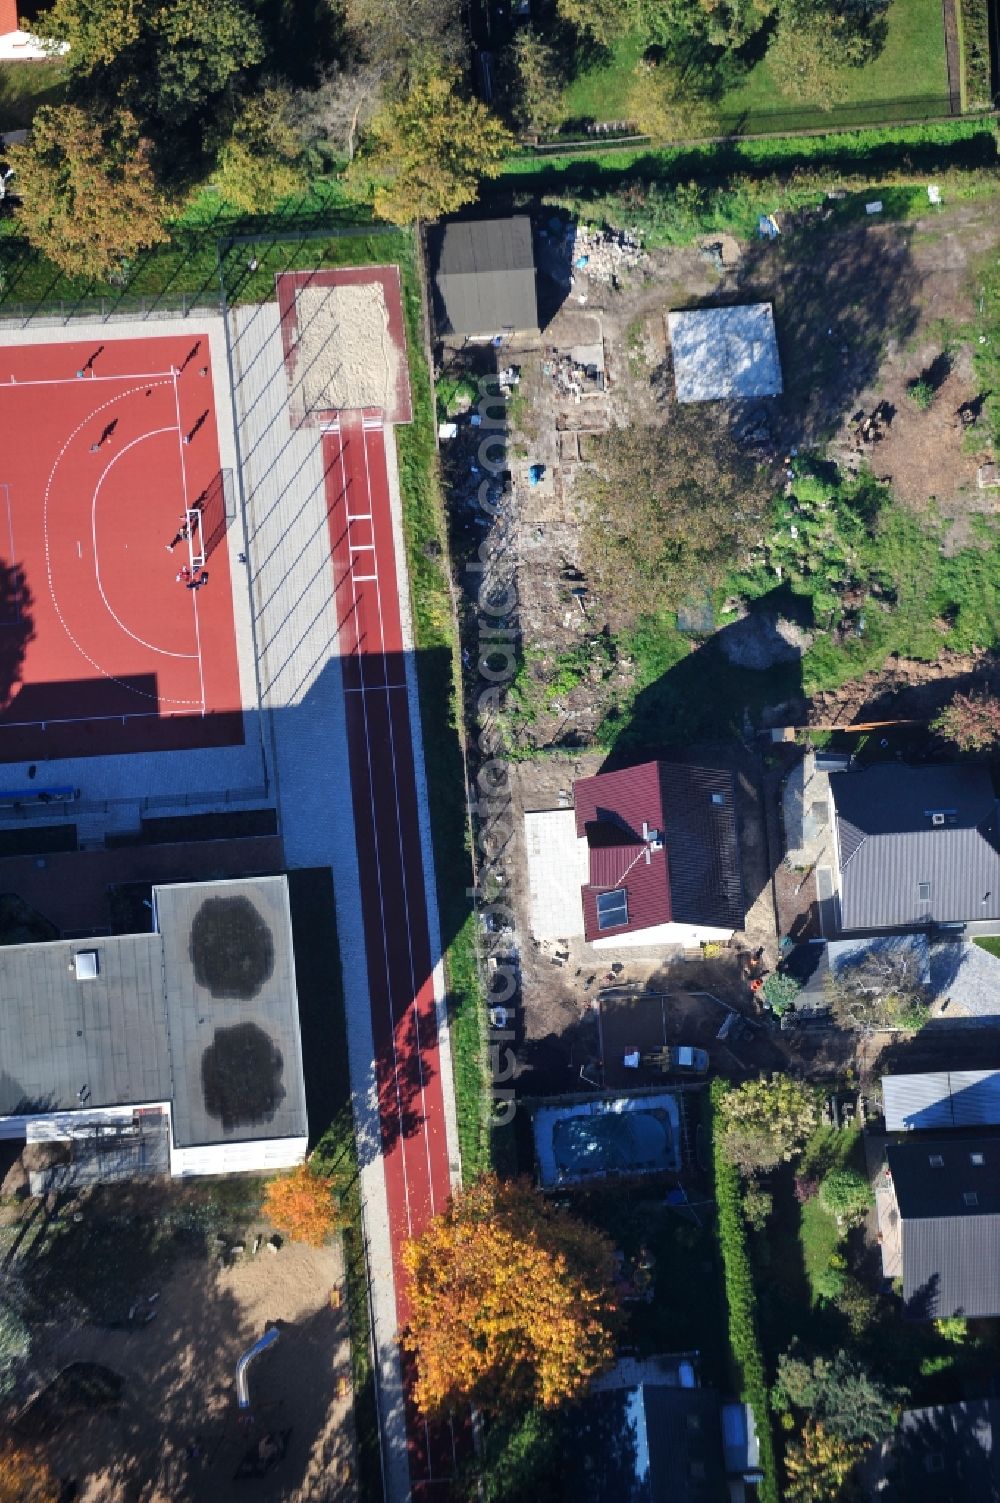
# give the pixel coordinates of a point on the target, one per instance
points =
(741, 1298)
(757, 1204)
(780, 992)
(847, 1195)
(302, 1205)
(921, 393)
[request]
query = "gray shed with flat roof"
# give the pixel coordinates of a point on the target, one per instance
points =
(724, 354)
(482, 275)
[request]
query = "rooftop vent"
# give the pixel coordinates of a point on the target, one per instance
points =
(937, 819)
(978, 1159)
(971, 1198)
(936, 1161)
(86, 966)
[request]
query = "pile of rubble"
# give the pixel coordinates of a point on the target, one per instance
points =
(605, 254)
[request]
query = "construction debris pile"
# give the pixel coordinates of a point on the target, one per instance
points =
(871, 427)
(605, 254)
(573, 380)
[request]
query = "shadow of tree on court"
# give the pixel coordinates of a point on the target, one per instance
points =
(17, 628)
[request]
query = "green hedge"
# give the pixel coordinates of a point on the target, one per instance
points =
(974, 39)
(741, 1301)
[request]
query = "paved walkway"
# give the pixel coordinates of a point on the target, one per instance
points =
(288, 547)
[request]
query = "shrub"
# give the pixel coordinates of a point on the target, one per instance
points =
(921, 393)
(847, 1195)
(766, 1121)
(971, 721)
(780, 992)
(757, 1204)
(806, 1188)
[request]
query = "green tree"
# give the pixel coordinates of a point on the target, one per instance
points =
(425, 156)
(603, 21)
(409, 37)
(766, 1121)
(661, 105)
(163, 60)
(534, 78)
(839, 1392)
(668, 509)
(971, 721)
(88, 199)
(260, 162)
(15, 1343)
(847, 1195)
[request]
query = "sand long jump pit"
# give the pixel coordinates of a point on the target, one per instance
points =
(343, 340)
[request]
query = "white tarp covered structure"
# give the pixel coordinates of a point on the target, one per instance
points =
(725, 353)
(558, 867)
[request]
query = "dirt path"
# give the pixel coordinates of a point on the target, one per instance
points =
(954, 55)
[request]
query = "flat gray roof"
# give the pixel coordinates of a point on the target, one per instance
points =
(105, 1037)
(722, 353)
(483, 276)
(203, 1014)
(231, 1011)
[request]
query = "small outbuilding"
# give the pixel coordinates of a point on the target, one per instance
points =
(725, 354)
(482, 275)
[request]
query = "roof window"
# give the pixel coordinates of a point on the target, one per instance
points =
(612, 909)
(924, 892)
(971, 1198)
(718, 798)
(86, 965)
(936, 1161)
(977, 1159)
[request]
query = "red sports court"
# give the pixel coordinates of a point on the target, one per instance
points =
(111, 450)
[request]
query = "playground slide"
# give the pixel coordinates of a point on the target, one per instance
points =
(269, 1337)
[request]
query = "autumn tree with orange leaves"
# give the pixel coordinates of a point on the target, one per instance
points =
(302, 1205)
(25, 1477)
(511, 1301)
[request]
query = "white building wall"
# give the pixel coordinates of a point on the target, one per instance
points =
(666, 934)
(262, 1155)
(47, 1127)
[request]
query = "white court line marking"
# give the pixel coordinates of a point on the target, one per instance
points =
(190, 542)
(364, 578)
(400, 1135)
(402, 866)
(112, 678)
(163, 651)
(153, 379)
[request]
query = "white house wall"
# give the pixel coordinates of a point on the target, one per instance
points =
(665, 934)
(262, 1155)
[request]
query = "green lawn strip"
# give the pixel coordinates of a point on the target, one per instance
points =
(871, 147)
(323, 1021)
(908, 79)
(741, 1299)
(990, 943)
(25, 86)
(986, 346)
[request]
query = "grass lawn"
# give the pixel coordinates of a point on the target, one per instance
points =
(990, 943)
(26, 86)
(908, 80)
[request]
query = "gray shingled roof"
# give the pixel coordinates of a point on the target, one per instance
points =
(483, 276)
(889, 845)
(950, 1247)
(947, 1454)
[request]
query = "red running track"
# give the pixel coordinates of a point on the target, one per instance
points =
(390, 863)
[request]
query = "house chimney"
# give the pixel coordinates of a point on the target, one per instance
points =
(8, 16)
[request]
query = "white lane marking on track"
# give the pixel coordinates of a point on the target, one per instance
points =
(163, 651)
(158, 698)
(402, 865)
(400, 1135)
